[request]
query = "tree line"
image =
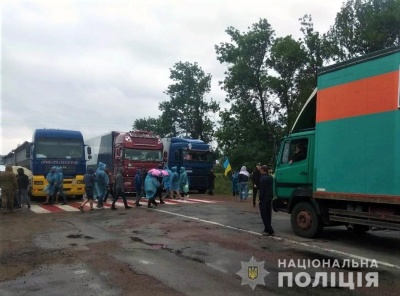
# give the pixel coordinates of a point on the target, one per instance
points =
(267, 80)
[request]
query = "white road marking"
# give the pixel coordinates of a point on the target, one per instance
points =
(39, 210)
(201, 200)
(67, 208)
(277, 238)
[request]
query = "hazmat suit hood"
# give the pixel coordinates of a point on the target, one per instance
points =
(102, 166)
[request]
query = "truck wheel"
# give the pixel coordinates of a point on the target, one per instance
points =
(305, 220)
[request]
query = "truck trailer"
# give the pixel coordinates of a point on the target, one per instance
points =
(194, 155)
(349, 133)
(131, 151)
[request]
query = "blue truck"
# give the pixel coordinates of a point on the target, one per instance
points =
(55, 147)
(194, 155)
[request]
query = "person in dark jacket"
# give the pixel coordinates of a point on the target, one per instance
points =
(22, 191)
(211, 178)
(255, 179)
(138, 187)
(265, 204)
(119, 190)
(89, 181)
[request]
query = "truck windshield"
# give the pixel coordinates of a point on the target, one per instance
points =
(58, 148)
(143, 155)
(195, 156)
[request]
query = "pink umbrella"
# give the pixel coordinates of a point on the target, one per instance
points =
(164, 173)
(155, 172)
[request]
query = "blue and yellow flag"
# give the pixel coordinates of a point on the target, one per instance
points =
(227, 166)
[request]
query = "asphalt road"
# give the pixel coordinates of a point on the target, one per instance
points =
(205, 246)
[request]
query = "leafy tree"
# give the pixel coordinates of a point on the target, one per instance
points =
(188, 112)
(246, 58)
(364, 26)
(149, 124)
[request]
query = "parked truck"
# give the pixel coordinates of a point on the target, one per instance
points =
(348, 172)
(53, 147)
(131, 151)
(194, 155)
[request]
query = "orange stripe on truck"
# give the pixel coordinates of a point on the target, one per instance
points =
(366, 96)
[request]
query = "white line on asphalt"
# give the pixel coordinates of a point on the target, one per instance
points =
(277, 238)
(39, 210)
(67, 208)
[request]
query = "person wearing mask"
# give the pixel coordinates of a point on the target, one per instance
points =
(255, 179)
(119, 190)
(8, 185)
(265, 204)
(22, 191)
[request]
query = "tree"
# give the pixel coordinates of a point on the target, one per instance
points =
(150, 124)
(246, 58)
(365, 26)
(188, 112)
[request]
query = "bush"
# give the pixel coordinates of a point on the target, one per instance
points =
(223, 184)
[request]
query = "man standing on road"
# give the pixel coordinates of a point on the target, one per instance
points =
(22, 192)
(8, 185)
(119, 190)
(255, 179)
(265, 204)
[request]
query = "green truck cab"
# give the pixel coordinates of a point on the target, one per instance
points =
(348, 132)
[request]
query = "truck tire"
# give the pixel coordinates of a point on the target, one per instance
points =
(305, 220)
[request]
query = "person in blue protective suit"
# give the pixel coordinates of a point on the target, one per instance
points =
(151, 185)
(175, 183)
(235, 183)
(167, 182)
(183, 183)
(102, 181)
(49, 189)
(59, 186)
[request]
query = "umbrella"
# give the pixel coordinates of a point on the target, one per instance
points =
(155, 172)
(164, 173)
(159, 172)
(26, 171)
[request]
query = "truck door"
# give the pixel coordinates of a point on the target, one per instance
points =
(293, 166)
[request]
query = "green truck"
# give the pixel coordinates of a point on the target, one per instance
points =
(340, 164)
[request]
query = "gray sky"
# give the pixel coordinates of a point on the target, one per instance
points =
(96, 66)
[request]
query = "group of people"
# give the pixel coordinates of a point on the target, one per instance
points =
(102, 183)
(55, 187)
(14, 189)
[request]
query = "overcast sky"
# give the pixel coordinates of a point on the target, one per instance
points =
(96, 66)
